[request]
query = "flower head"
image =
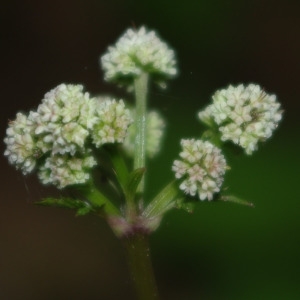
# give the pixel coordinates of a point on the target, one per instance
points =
(64, 170)
(200, 169)
(63, 119)
(245, 115)
(135, 52)
(21, 145)
(113, 121)
(58, 137)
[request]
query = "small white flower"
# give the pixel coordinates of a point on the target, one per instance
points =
(135, 52)
(113, 121)
(245, 115)
(155, 126)
(201, 169)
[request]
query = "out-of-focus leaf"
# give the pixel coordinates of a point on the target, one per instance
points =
(133, 182)
(234, 199)
(188, 206)
(164, 201)
(80, 206)
(119, 165)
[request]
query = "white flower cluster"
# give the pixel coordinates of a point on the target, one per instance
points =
(63, 119)
(57, 136)
(245, 115)
(202, 168)
(21, 146)
(64, 170)
(155, 126)
(135, 52)
(113, 121)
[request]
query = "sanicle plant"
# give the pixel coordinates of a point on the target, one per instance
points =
(72, 139)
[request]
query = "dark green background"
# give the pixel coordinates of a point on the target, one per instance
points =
(221, 251)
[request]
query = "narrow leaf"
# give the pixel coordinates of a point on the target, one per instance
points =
(133, 182)
(84, 211)
(163, 202)
(234, 199)
(82, 207)
(97, 200)
(119, 165)
(63, 202)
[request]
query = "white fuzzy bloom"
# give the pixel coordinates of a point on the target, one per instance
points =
(21, 145)
(64, 170)
(64, 118)
(201, 168)
(155, 126)
(113, 121)
(245, 115)
(135, 52)
(58, 137)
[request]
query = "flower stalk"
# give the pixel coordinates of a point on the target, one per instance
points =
(138, 252)
(141, 87)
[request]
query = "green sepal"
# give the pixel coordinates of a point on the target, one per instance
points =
(82, 208)
(213, 136)
(164, 201)
(133, 181)
(185, 205)
(208, 121)
(234, 199)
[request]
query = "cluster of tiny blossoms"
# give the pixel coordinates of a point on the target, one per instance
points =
(57, 138)
(135, 52)
(244, 115)
(113, 122)
(201, 168)
(155, 126)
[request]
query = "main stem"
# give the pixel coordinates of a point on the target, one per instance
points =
(141, 88)
(136, 242)
(139, 260)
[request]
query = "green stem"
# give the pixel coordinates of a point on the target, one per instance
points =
(140, 266)
(96, 198)
(141, 87)
(138, 252)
